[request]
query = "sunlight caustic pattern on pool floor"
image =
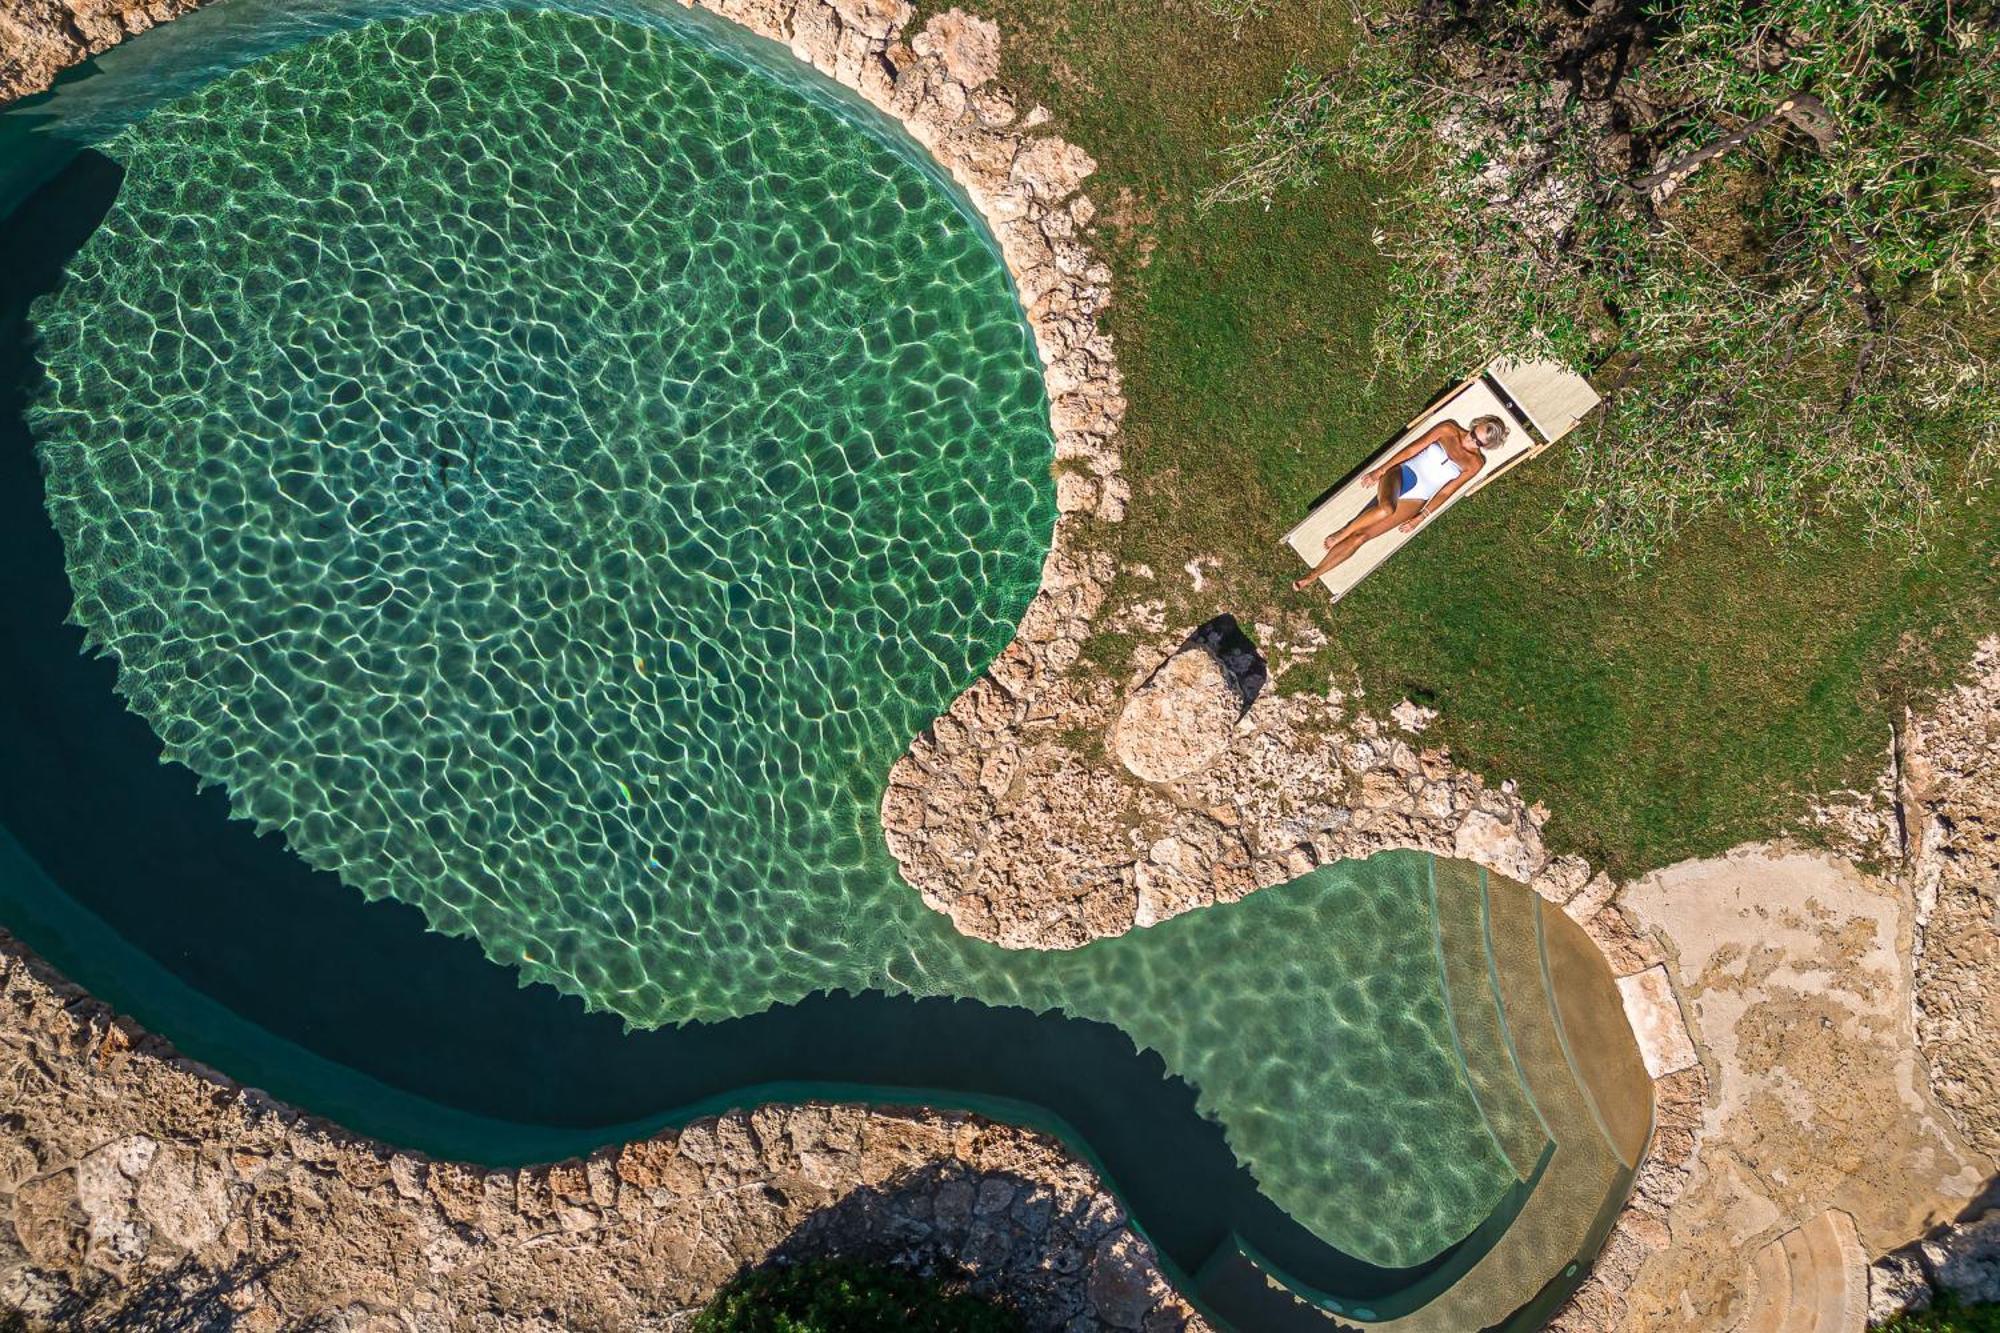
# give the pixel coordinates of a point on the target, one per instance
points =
(547, 469)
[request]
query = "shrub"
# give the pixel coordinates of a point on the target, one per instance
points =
(1797, 322)
(836, 1296)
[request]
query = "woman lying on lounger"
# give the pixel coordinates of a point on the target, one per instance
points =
(1418, 479)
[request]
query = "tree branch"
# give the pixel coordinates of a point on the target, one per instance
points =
(1802, 109)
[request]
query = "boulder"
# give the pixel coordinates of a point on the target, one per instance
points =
(1897, 1285)
(1174, 878)
(184, 1198)
(1120, 1287)
(1501, 845)
(968, 46)
(1412, 716)
(48, 1221)
(1180, 720)
(873, 18)
(1051, 170)
(1965, 1260)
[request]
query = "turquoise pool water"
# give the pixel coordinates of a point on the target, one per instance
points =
(548, 476)
(545, 466)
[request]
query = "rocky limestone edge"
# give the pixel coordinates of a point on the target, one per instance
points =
(1641, 1230)
(129, 1175)
(1930, 825)
(1962, 1258)
(1949, 779)
(39, 39)
(998, 814)
(1013, 816)
(1936, 808)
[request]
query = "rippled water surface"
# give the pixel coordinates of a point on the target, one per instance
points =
(547, 468)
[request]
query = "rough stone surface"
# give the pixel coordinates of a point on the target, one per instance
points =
(1897, 1285)
(969, 46)
(1793, 966)
(1937, 810)
(1599, 1304)
(1965, 1260)
(1961, 1258)
(1063, 850)
(129, 1175)
(1951, 796)
(39, 39)
(1655, 1017)
(1180, 720)
(1499, 842)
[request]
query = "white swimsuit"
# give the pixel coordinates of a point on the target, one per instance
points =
(1426, 474)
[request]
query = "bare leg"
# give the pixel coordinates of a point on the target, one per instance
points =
(1370, 523)
(1388, 490)
(1388, 487)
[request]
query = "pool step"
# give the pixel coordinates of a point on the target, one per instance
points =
(1485, 1053)
(1591, 1024)
(1812, 1279)
(1577, 1195)
(1556, 1073)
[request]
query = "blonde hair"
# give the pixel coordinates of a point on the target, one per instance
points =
(1499, 431)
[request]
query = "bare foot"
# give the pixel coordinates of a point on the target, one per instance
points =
(1300, 585)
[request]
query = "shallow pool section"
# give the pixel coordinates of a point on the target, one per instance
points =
(544, 467)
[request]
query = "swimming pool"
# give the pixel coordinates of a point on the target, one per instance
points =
(546, 466)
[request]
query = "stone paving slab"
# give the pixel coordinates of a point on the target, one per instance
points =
(1655, 1015)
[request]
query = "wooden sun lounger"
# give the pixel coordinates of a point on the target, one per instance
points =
(1540, 401)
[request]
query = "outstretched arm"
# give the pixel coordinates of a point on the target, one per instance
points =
(1436, 433)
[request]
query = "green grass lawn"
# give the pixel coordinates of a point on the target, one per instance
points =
(1660, 716)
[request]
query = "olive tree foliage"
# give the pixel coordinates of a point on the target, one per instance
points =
(1769, 226)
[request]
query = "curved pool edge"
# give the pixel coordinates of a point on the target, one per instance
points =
(1237, 1287)
(167, 1118)
(57, 677)
(1072, 589)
